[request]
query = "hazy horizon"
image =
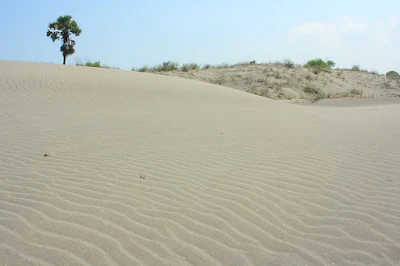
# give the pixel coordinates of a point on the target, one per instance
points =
(130, 34)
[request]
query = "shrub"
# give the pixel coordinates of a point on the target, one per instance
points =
(217, 80)
(316, 70)
(191, 66)
(356, 68)
(207, 66)
(143, 69)
(167, 66)
(89, 64)
(319, 96)
(224, 65)
(311, 90)
(352, 93)
(240, 64)
(314, 93)
(374, 72)
(277, 63)
(356, 92)
(392, 74)
(288, 63)
(318, 65)
(95, 64)
(109, 67)
(330, 64)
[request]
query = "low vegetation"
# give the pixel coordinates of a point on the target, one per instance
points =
(330, 64)
(313, 93)
(95, 64)
(288, 63)
(223, 65)
(167, 66)
(357, 68)
(171, 66)
(356, 92)
(374, 72)
(142, 69)
(90, 64)
(191, 66)
(352, 93)
(312, 90)
(318, 65)
(219, 80)
(392, 75)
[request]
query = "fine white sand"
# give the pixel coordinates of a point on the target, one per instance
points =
(145, 169)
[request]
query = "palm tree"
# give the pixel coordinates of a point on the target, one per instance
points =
(64, 27)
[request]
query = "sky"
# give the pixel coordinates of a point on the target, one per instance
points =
(126, 34)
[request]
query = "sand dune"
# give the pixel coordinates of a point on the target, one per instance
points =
(145, 169)
(296, 83)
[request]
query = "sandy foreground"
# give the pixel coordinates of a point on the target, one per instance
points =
(145, 169)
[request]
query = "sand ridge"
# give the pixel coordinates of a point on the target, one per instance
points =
(145, 169)
(295, 83)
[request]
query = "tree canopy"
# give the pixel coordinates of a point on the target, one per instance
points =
(63, 28)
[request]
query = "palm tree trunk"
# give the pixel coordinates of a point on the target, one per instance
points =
(65, 59)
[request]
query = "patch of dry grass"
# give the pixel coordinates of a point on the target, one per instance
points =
(190, 66)
(219, 80)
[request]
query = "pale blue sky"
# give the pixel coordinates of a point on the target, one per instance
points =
(147, 32)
